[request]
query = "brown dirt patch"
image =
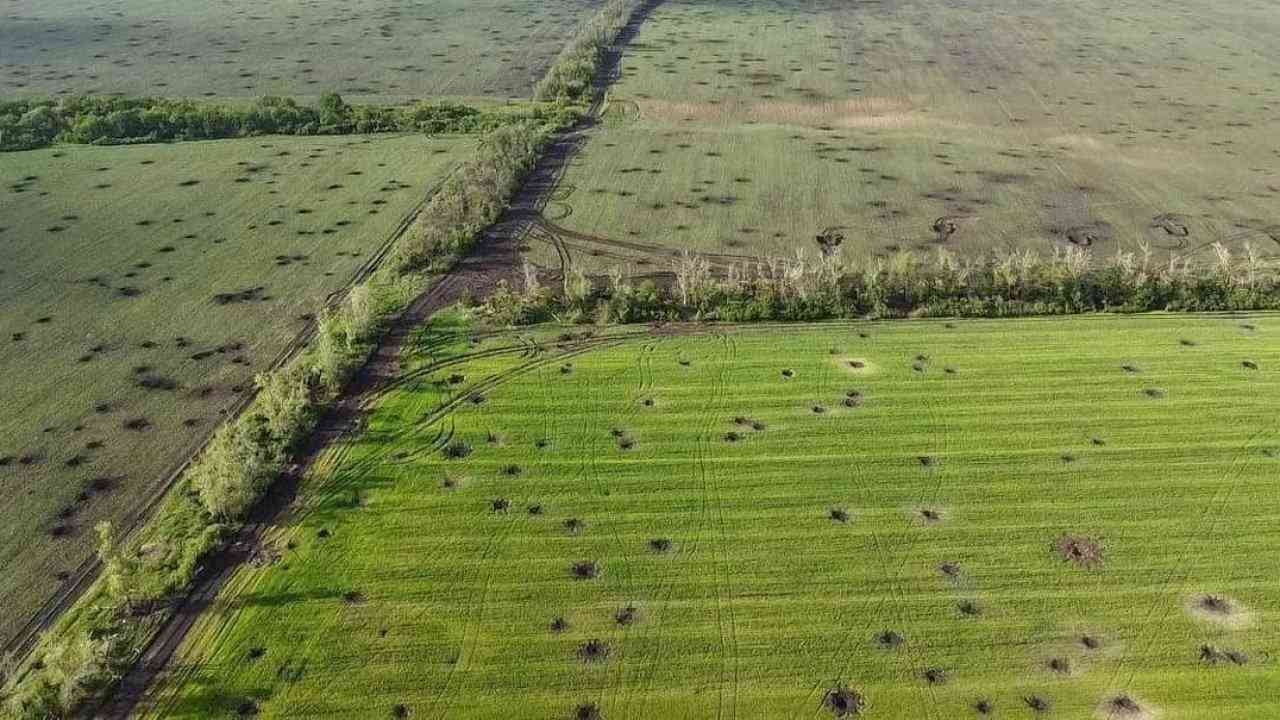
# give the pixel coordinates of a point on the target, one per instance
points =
(889, 639)
(1220, 610)
(1088, 234)
(627, 615)
(1123, 706)
(1083, 551)
(1214, 655)
(844, 702)
(594, 650)
(855, 365)
(585, 570)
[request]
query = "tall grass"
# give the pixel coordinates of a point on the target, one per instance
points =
(816, 286)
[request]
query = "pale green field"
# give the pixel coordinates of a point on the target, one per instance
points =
(377, 50)
(747, 128)
(400, 592)
(114, 259)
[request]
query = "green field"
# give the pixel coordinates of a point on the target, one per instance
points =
(142, 288)
(774, 512)
(373, 50)
(748, 128)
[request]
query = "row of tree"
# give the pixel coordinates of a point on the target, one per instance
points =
(1066, 281)
(30, 124)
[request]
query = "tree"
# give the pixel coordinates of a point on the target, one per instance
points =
(239, 463)
(335, 113)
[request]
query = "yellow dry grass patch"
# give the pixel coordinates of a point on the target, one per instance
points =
(885, 112)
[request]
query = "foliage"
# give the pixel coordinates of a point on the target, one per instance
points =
(29, 124)
(907, 285)
(474, 197)
(570, 78)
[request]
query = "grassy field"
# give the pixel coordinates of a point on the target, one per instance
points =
(142, 288)
(1073, 515)
(377, 50)
(751, 127)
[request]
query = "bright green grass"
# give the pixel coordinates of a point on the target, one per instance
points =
(370, 49)
(764, 602)
(1020, 123)
(78, 219)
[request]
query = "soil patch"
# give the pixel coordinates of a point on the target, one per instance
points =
(1084, 551)
(585, 570)
(855, 365)
(889, 639)
(1088, 234)
(1125, 706)
(844, 702)
(627, 615)
(594, 650)
(1038, 703)
(1219, 610)
(660, 545)
(1214, 655)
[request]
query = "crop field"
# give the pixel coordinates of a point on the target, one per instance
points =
(750, 127)
(373, 50)
(143, 287)
(1066, 518)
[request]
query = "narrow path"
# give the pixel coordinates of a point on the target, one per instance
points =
(496, 258)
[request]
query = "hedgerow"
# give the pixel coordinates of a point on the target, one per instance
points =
(30, 124)
(1068, 281)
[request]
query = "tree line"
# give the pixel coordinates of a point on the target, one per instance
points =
(31, 124)
(1068, 280)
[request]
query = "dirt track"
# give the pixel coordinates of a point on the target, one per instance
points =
(495, 258)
